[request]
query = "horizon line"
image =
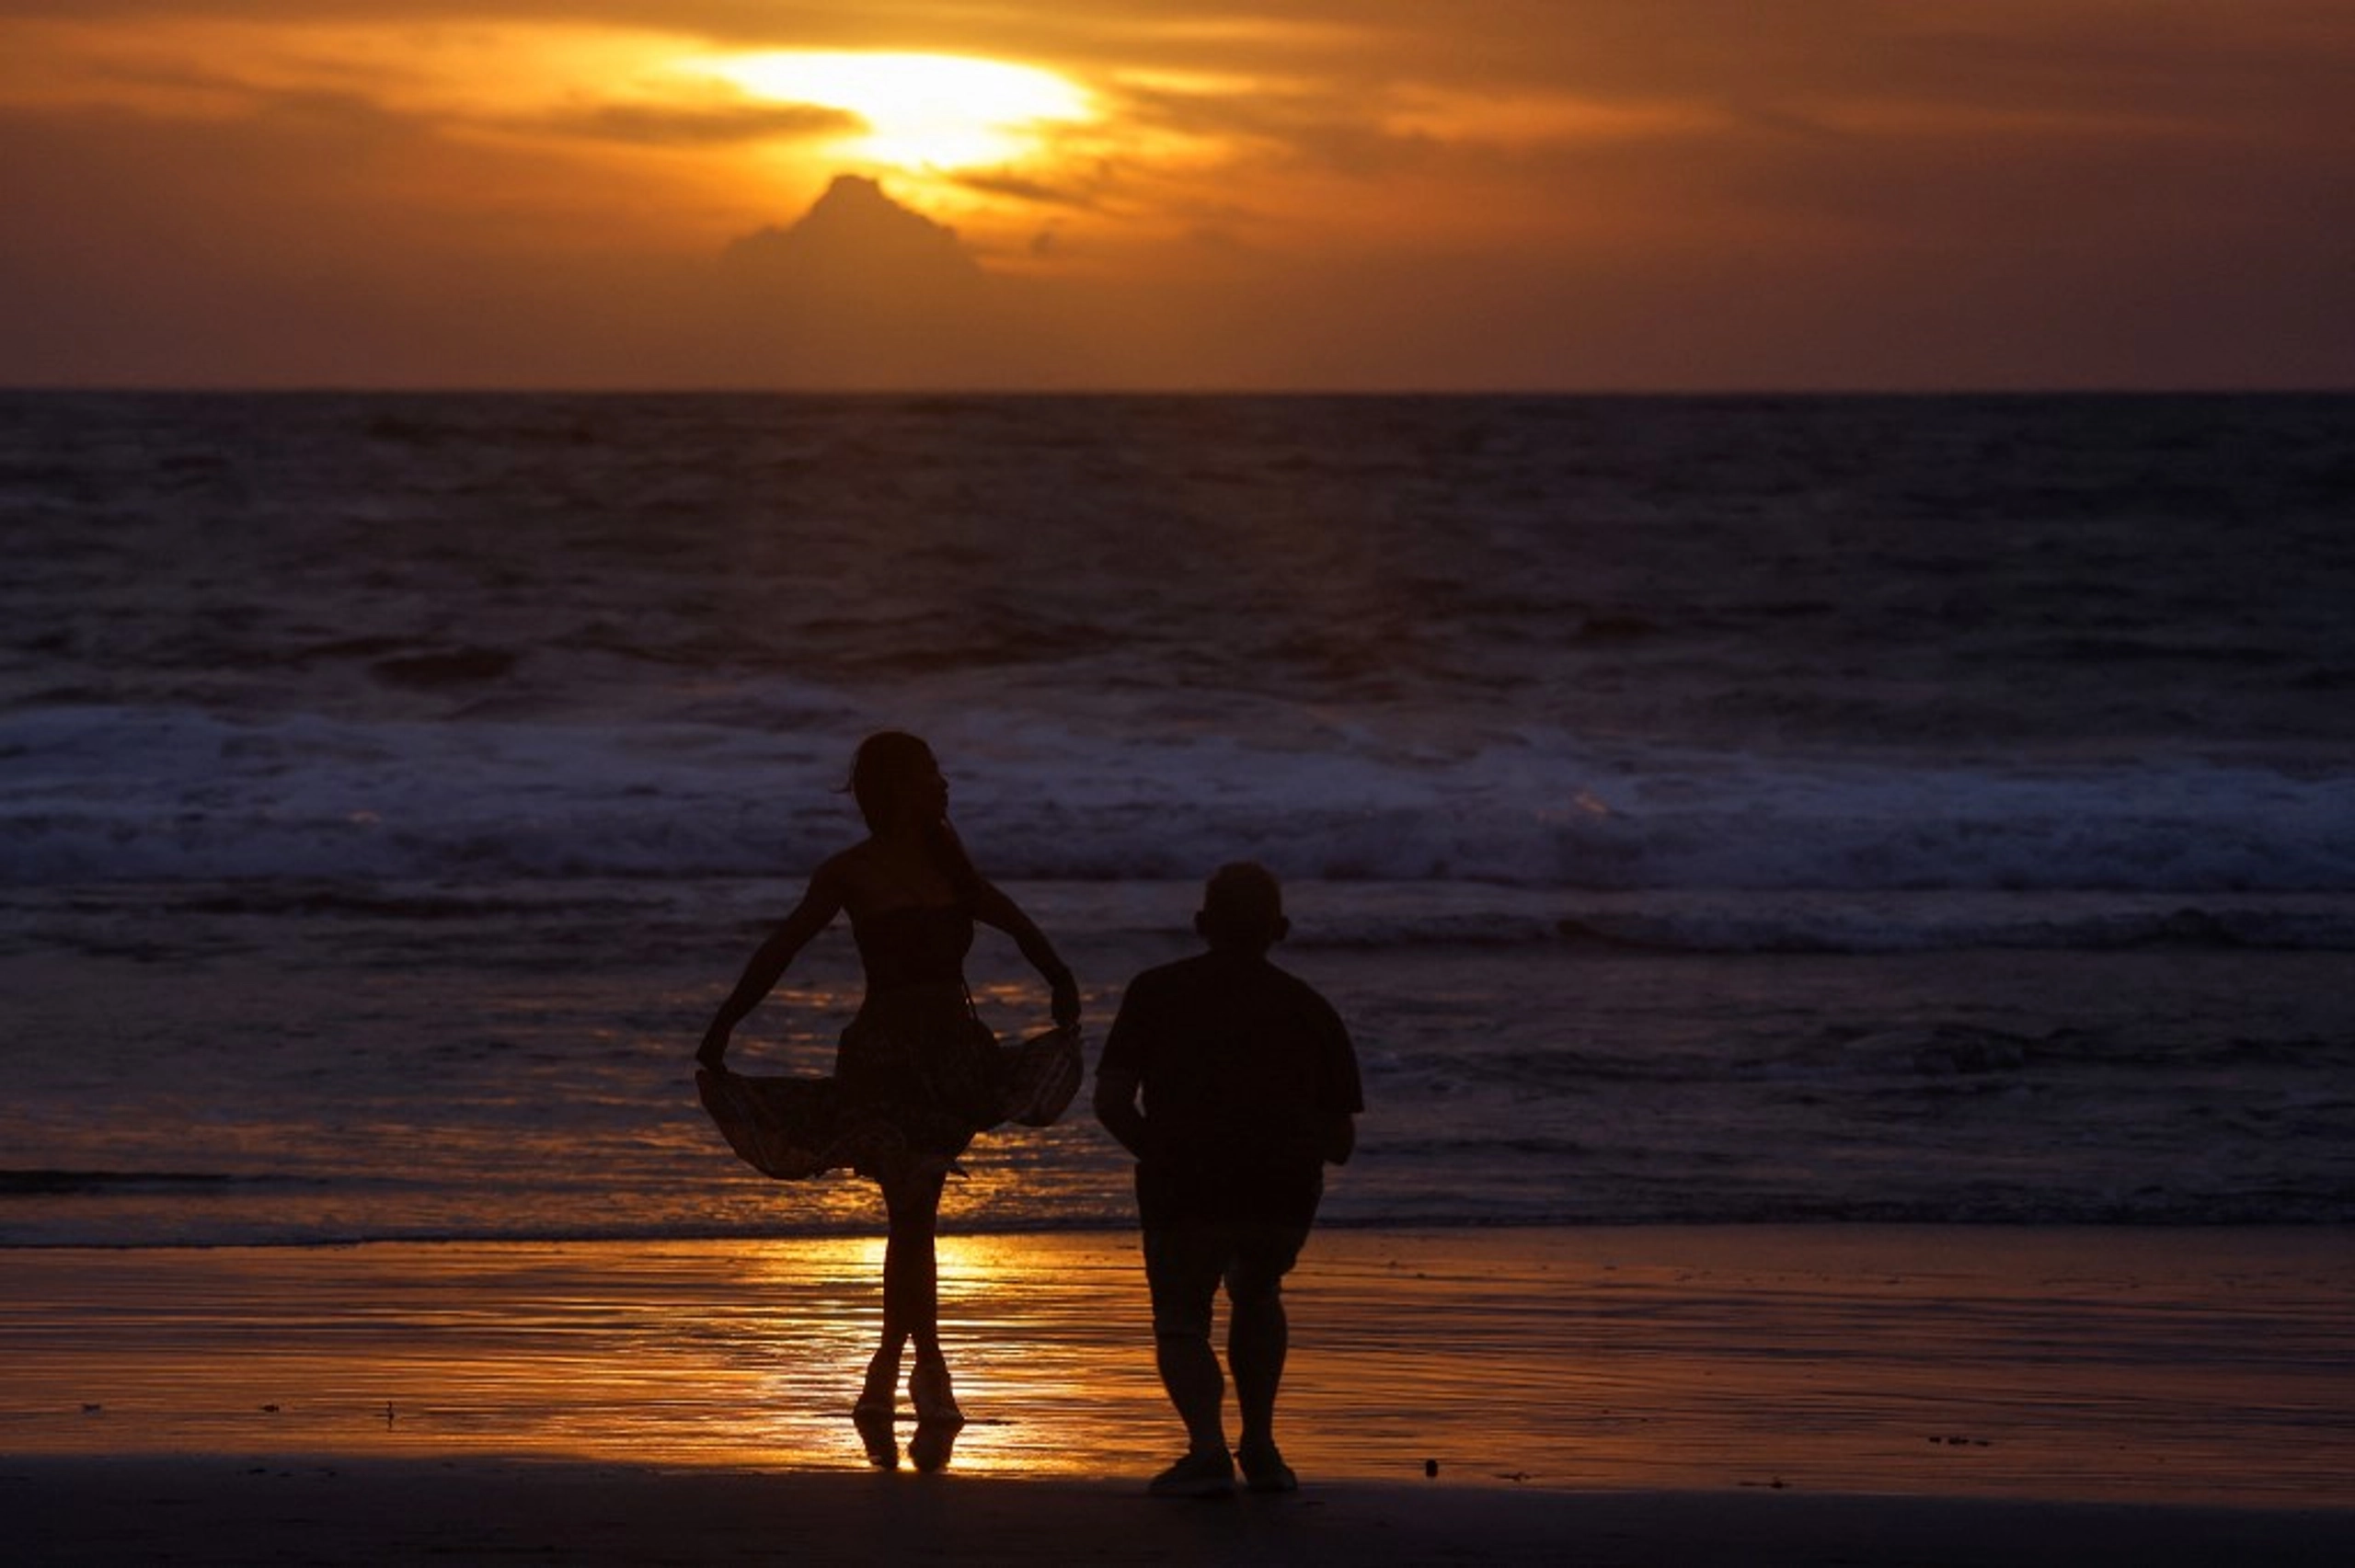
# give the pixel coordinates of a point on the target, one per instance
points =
(521, 389)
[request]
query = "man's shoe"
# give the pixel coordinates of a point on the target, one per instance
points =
(1196, 1475)
(1264, 1468)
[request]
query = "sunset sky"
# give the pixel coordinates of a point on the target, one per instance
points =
(1560, 194)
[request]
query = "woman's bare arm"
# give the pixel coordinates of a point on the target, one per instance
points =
(819, 905)
(993, 908)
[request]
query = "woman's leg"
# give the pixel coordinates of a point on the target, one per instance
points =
(912, 1294)
(910, 1266)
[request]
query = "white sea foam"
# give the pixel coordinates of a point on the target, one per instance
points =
(114, 793)
(389, 788)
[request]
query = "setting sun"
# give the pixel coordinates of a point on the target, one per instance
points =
(1173, 195)
(922, 111)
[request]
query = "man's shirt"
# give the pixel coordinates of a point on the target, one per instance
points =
(1241, 1068)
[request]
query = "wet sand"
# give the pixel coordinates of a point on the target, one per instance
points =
(1801, 1394)
(214, 1511)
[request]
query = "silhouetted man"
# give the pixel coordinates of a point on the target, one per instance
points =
(1250, 1087)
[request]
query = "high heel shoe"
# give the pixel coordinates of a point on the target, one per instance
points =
(876, 1436)
(874, 1393)
(928, 1390)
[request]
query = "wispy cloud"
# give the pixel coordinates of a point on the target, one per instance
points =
(1037, 192)
(690, 125)
(1812, 183)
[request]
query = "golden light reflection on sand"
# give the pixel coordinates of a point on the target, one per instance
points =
(2089, 1365)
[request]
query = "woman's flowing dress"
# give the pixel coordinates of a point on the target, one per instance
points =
(916, 1072)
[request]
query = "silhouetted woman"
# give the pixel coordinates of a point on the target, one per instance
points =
(917, 1073)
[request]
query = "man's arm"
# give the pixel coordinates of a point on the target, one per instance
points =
(1119, 1073)
(1340, 1095)
(1116, 1106)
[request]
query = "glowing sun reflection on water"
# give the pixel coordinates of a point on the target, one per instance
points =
(1929, 1361)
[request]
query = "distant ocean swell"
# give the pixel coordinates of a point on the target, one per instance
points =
(389, 787)
(95, 793)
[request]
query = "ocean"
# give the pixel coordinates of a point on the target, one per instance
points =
(1936, 810)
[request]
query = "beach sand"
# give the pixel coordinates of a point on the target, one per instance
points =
(1754, 1394)
(201, 1511)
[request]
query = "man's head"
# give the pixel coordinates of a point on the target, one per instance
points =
(1243, 908)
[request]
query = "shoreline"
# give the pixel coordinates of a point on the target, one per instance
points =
(2081, 1366)
(960, 1228)
(102, 1513)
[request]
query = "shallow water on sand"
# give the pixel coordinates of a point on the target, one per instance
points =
(223, 1065)
(2094, 1364)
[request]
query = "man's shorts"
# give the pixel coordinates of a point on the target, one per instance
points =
(1185, 1262)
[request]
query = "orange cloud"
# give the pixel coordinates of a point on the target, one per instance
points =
(717, 124)
(1616, 192)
